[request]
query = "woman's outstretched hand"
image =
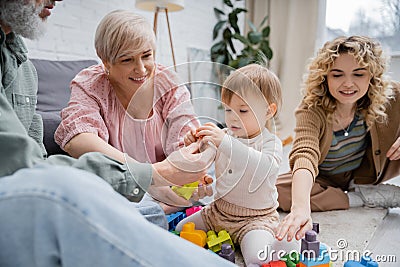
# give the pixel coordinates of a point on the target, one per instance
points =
(295, 224)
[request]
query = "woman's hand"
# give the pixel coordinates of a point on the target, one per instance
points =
(209, 132)
(394, 151)
(190, 137)
(186, 165)
(165, 195)
(295, 224)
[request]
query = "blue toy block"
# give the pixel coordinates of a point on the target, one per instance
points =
(323, 257)
(174, 218)
(364, 262)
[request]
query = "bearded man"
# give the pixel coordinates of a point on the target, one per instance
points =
(55, 211)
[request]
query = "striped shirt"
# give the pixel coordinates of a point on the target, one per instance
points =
(346, 152)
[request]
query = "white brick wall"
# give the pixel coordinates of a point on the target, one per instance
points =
(71, 28)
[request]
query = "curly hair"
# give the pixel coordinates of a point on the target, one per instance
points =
(368, 53)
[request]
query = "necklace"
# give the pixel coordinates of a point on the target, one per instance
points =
(346, 131)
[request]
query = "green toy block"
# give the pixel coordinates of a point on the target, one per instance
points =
(215, 242)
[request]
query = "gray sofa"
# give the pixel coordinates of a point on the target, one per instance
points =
(53, 94)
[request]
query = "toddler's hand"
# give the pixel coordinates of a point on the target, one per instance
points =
(209, 132)
(204, 188)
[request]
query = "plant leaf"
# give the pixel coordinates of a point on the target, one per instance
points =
(218, 12)
(254, 37)
(266, 49)
(217, 27)
(233, 19)
(232, 46)
(221, 59)
(263, 21)
(266, 31)
(239, 10)
(228, 3)
(227, 34)
(243, 61)
(234, 63)
(241, 39)
(218, 47)
(252, 27)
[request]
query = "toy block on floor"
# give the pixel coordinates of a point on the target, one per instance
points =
(185, 191)
(174, 218)
(315, 227)
(364, 262)
(189, 233)
(300, 264)
(291, 259)
(321, 260)
(310, 245)
(191, 210)
(274, 264)
(215, 242)
(227, 252)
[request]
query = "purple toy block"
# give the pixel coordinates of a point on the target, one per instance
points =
(315, 227)
(310, 245)
(227, 253)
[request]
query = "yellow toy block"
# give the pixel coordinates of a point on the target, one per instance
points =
(185, 191)
(215, 242)
(189, 233)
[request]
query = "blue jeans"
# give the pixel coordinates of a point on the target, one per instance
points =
(60, 216)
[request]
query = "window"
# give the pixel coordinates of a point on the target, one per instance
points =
(379, 19)
(375, 18)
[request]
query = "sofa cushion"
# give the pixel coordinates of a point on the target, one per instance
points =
(54, 92)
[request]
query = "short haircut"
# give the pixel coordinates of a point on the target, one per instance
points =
(119, 32)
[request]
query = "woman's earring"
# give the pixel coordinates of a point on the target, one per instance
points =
(107, 72)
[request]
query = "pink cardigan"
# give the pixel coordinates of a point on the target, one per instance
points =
(94, 108)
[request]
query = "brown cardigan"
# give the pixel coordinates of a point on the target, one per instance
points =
(314, 137)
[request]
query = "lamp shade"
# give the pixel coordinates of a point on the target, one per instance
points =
(151, 5)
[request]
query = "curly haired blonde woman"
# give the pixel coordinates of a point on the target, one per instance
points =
(347, 136)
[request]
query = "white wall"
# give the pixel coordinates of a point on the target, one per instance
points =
(72, 25)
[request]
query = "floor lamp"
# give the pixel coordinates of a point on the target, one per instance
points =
(162, 5)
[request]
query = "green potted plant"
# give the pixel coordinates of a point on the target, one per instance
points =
(256, 41)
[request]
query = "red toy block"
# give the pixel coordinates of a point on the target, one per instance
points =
(274, 264)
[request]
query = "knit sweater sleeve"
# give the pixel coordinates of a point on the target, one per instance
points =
(310, 129)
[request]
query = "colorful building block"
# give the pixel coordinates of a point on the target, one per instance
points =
(191, 210)
(291, 259)
(189, 233)
(227, 252)
(274, 264)
(300, 264)
(185, 191)
(215, 242)
(310, 245)
(315, 227)
(321, 260)
(174, 218)
(364, 262)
